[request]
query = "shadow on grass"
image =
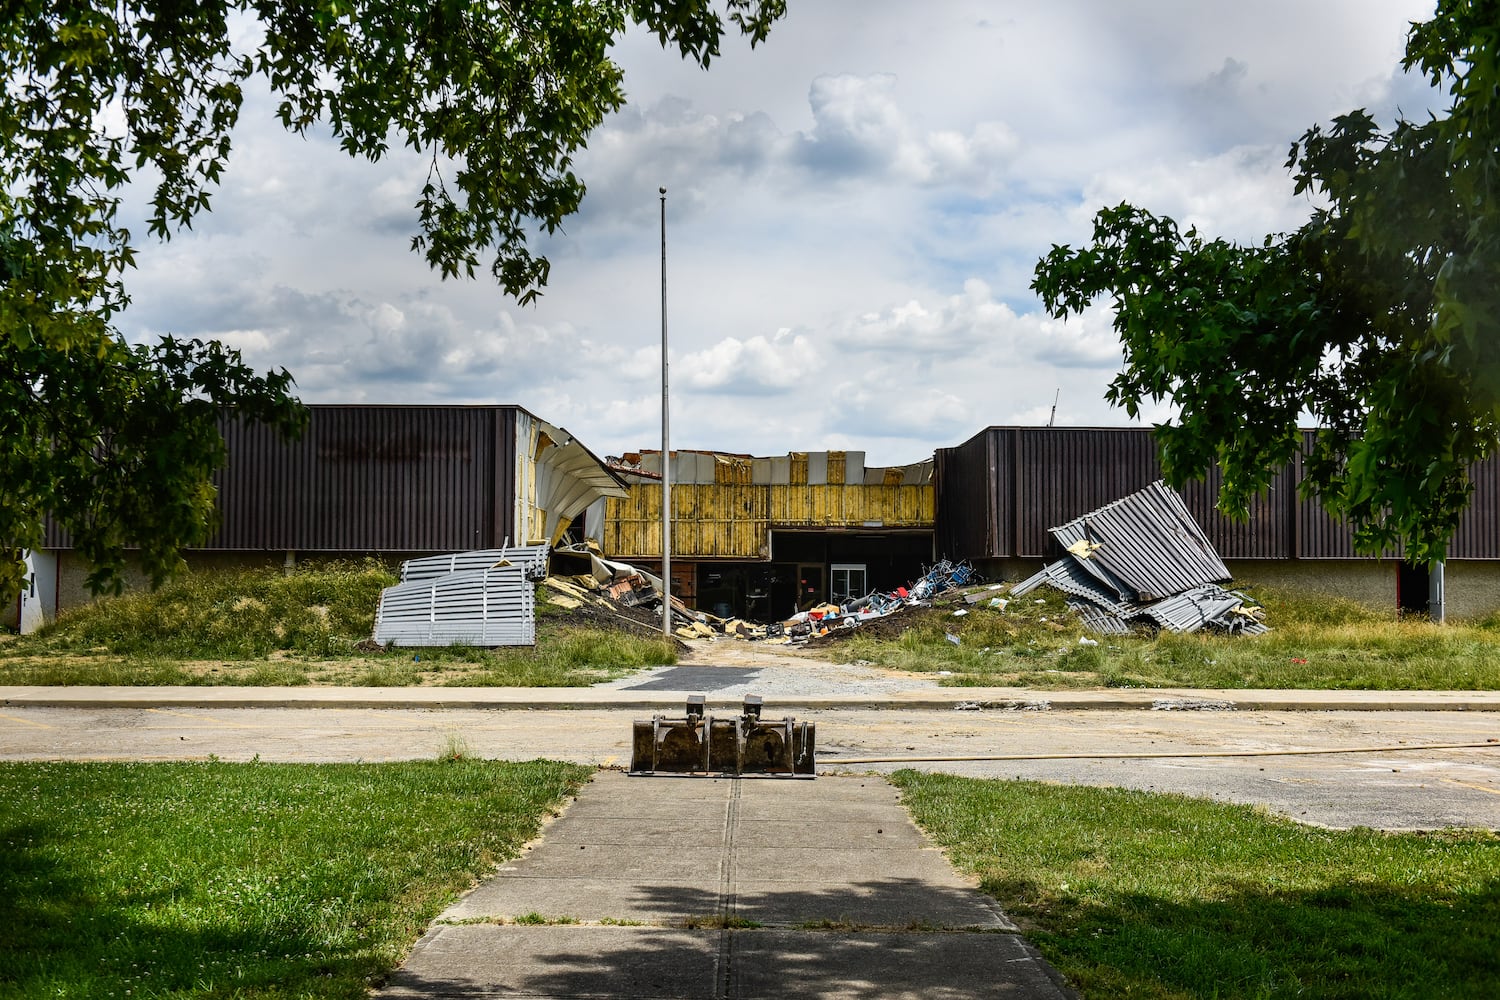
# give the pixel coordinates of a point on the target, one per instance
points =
(1344, 941)
(67, 936)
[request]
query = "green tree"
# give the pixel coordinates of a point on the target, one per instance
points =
(1379, 318)
(119, 443)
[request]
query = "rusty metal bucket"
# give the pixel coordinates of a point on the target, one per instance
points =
(701, 744)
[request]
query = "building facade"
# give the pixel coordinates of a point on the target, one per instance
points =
(389, 481)
(763, 537)
(756, 537)
(999, 492)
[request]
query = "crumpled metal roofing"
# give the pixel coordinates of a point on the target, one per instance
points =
(1143, 558)
(1144, 546)
(1067, 576)
(1099, 621)
(1192, 609)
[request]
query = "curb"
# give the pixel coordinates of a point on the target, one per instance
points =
(575, 699)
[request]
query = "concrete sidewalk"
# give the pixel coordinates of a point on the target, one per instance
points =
(658, 700)
(698, 887)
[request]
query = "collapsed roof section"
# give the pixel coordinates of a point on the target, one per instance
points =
(1143, 560)
(557, 478)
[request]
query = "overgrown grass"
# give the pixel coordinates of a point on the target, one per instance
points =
(268, 628)
(1315, 642)
(315, 611)
(1163, 896)
(244, 880)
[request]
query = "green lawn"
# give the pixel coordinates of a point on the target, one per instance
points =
(311, 626)
(1133, 894)
(244, 880)
(1315, 642)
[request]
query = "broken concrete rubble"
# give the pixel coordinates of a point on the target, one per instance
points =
(1143, 560)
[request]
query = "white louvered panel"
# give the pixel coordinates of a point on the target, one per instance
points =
(532, 557)
(490, 605)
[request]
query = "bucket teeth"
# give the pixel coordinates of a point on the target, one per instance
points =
(700, 744)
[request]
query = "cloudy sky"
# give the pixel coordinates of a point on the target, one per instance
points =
(854, 211)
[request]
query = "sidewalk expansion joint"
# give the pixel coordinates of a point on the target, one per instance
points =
(723, 984)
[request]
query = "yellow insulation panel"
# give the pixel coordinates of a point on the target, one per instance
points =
(837, 465)
(734, 520)
(801, 505)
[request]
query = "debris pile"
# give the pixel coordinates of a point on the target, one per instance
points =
(582, 580)
(1143, 559)
(486, 598)
(941, 580)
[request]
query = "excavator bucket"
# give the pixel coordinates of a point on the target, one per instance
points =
(702, 744)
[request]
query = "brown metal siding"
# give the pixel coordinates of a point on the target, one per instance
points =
(1320, 535)
(1000, 492)
(371, 478)
(1266, 534)
(367, 479)
(974, 517)
(1065, 473)
(501, 499)
(1478, 534)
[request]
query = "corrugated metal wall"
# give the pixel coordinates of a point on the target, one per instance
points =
(1266, 534)
(1062, 473)
(971, 514)
(372, 478)
(1478, 534)
(1000, 492)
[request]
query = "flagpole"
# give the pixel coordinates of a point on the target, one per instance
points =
(666, 443)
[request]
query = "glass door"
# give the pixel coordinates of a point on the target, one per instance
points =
(846, 582)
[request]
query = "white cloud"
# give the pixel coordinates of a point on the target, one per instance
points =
(855, 210)
(757, 366)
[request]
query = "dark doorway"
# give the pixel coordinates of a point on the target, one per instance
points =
(1412, 593)
(810, 589)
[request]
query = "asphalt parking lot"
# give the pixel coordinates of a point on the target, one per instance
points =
(1386, 783)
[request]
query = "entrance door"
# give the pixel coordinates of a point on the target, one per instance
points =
(1412, 583)
(846, 582)
(809, 586)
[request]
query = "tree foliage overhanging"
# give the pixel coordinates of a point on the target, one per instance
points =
(119, 442)
(1379, 318)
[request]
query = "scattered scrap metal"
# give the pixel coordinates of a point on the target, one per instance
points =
(580, 576)
(942, 579)
(1143, 560)
(486, 597)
